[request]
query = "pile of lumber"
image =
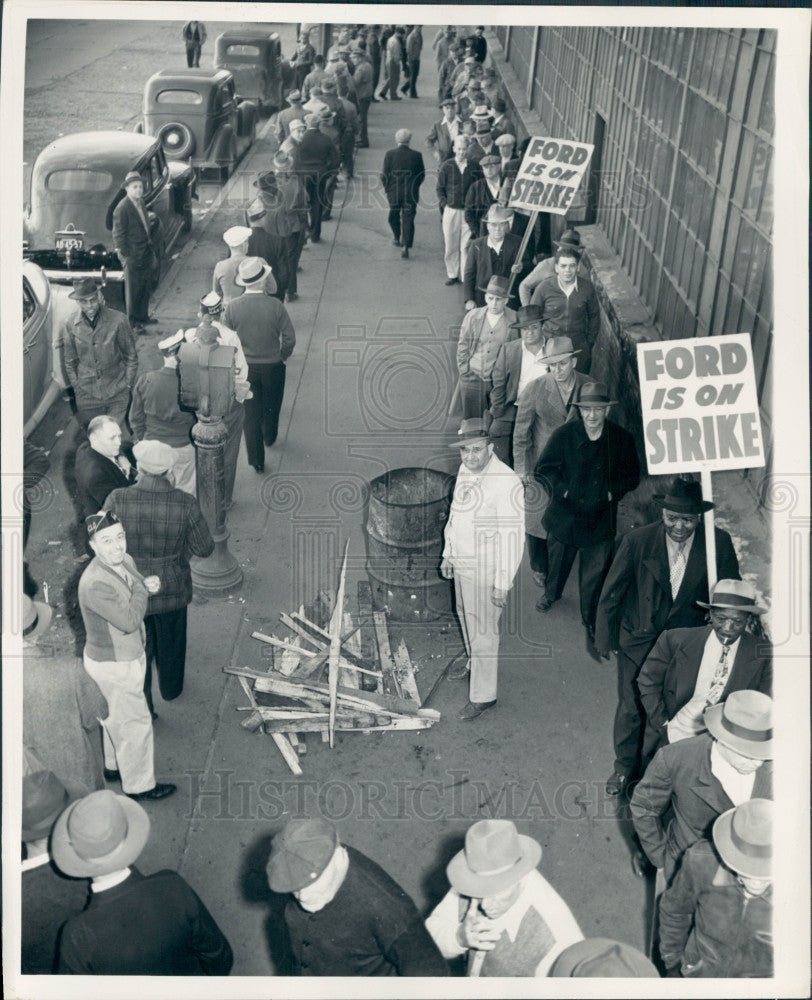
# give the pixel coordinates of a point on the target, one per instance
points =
(345, 678)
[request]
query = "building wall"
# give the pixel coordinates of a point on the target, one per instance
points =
(685, 191)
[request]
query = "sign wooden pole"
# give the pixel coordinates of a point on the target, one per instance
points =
(335, 647)
(531, 225)
(710, 533)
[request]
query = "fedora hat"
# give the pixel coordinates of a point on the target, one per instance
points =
(601, 958)
(743, 722)
(496, 286)
(101, 833)
(328, 84)
(593, 394)
(251, 270)
(738, 595)
(557, 349)
(743, 836)
(495, 857)
(299, 853)
(470, 430)
(44, 798)
(36, 617)
(83, 288)
(497, 212)
(527, 315)
(570, 239)
(131, 176)
(295, 96)
(684, 497)
(282, 162)
(481, 113)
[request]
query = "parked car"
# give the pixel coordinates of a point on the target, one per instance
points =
(254, 57)
(44, 308)
(196, 116)
(75, 185)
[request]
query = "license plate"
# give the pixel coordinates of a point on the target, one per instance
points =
(70, 241)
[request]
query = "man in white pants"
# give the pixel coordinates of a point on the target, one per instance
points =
(454, 177)
(484, 544)
(113, 599)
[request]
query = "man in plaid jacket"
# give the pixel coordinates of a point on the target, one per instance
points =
(164, 527)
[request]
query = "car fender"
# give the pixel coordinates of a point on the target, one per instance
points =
(222, 142)
(247, 111)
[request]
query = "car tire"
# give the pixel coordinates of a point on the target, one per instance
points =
(176, 140)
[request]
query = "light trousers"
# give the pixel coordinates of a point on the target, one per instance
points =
(183, 474)
(479, 619)
(456, 236)
(127, 730)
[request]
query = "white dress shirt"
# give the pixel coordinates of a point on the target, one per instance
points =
(689, 719)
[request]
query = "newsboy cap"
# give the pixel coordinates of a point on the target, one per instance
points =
(299, 853)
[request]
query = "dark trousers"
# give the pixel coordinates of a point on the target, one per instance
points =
(414, 69)
(166, 647)
(299, 74)
(475, 395)
(315, 185)
(401, 222)
(262, 411)
(348, 154)
(376, 74)
(537, 550)
(115, 406)
(138, 281)
(193, 54)
(393, 78)
(629, 717)
(292, 251)
(593, 563)
(363, 111)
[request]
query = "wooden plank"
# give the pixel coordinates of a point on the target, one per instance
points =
(367, 631)
(335, 642)
(253, 721)
(405, 673)
(292, 646)
(310, 628)
(305, 633)
(349, 678)
(351, 726)
(368, 663)
(391, 684)
(290, 756)
(311, 666)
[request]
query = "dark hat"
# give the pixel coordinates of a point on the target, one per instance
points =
(470, 430)
(526, 316)
(600, 958)
(44, 798)
(496, 856)
(497, 286)
(36, 617)
(743, 836)
(448, 101)
(483, 127)
(328, 85)
(499, 104)
(737, 595)
(83, 288)
(490, 160)
(299, 853)
(266, 181)
(594, 394)
(557, 349)
(101, 833)
(98, 522)
(570, 240)
(131, 176)
(684, 497)
(743, 722)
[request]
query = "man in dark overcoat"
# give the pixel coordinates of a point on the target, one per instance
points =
(133, 244)
(654, 582)
(165, 527)
(587, 467)
(402, 174)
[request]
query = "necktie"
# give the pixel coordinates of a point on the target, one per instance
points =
(718, 680)
(677, 571)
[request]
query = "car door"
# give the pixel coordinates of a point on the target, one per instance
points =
(36, 344)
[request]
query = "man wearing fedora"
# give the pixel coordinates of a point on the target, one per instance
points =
(518, 364)
(132, 240)
(494, 255)
(165, 527)
(586, 469)
(500, 910)
(483, 332)
(270, 248)
(102, 464)
(716, 918)
(318, 161)
(346, 916)
(484, 544)
(454, 179)
(113, 599)
(570, 239)
(275, 234)
(268, 338)
(99, 354)
(691, 782)
(134, 924)
(440, 139)
(546, 404)
(483, 193)
(402, 174)
(653, 584)
(690, 669)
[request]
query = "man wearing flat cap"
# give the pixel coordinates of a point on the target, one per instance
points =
(493, 255)
(691, 782)
(113, 598)
(402, 174)
(284, 117)
(500, 911)
(690, 669)
(483, 193)
(276, 220)
(134, 924)
(99, 354)
(482, 334)
(165, 528)
(484, 544)
(716, 918)
(654, 583)
(132, 240)
(602, 958)
(346, 917)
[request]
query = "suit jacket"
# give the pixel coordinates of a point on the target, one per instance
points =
(635, 604)
(153, 925)
(506, 374)
(96, 477)
(113, 611)
(165, 527)
(403, 173)
(471, 332)
(585, 481)
(479, 266)
(131, 240)
(540, 411)
(477, 202)
(440, 139)
(680, 780)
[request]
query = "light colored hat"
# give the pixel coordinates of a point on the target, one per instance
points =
(506, 139)
(496, 856)
(329, 84)
(171, 345)
(743, 722)
(36, 617)
(294, 96)
(496, 286)
(481, 113)
(282, 162)
(557, 349)
(737, 595)
(212, 303)
(236, 236)
(490, 160)
(312, 120)
(402, 136)
(44, 798)
(296, 123)
(101, 833)
(251, 270)
(743, 836)
(153, 457)
(499, 213)
(299, 853)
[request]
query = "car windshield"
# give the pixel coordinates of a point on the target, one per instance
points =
(79, 180)
(179, 97)
(243, 50)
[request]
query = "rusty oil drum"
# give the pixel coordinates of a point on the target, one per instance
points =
(408, 509)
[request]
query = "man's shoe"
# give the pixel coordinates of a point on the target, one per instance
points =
(405, 253)
(641, 866)
(617, 784)
(396, 243)
(259, 467)
(291, 296)
(545, 603)
(158, 792)
(452, 281)
(150, 321)
(154, 714)
(315, 239)
(459, 669)
(396, 98)
(375, 100)
(111, 775)
(474, 709)
(590, 634)
(327, 216)
(540, 579)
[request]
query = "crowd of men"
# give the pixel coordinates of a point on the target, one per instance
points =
(542, 466)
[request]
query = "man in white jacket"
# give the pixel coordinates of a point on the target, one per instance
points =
(484, 543)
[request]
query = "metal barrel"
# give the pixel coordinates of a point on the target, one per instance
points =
(408, 509)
